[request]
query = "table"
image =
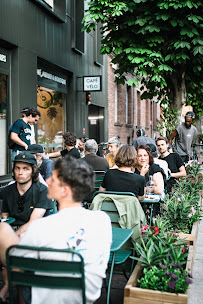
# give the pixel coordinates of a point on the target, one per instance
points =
(152, 200)
(9, 220)
(119, 237)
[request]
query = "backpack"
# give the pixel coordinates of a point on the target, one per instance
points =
(11, 144)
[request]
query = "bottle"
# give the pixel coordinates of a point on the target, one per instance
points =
(150, 187)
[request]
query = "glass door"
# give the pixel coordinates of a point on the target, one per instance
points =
(51, 124)
(3, 123)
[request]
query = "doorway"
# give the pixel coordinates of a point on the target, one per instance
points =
(96, 123)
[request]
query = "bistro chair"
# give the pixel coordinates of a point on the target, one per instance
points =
(99, 176)
(45, 273)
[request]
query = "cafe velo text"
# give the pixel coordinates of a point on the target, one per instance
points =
(92, 83)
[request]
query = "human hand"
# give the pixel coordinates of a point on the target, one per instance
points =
(144, 170)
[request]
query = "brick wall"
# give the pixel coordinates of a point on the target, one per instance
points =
(140, 113)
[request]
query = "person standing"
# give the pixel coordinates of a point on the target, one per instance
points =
(21, 131)
(175, 162)
(32, 138)
(185, 135)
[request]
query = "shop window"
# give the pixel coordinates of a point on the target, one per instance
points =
(3, 123)
(51, 124)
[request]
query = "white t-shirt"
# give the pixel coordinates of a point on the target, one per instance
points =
(87, 231)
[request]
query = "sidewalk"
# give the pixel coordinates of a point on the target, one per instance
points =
(196, 289)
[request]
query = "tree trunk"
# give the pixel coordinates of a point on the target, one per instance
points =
(180, 93)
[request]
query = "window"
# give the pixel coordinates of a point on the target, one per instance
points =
(56, 7)
(51, 124)
(3, 123)
(98, 57)
(78, 35)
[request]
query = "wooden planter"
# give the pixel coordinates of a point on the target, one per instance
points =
(136, 295)
(191, 238)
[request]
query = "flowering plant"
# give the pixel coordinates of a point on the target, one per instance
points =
(166, 277)
(180, 211)
(158, 246)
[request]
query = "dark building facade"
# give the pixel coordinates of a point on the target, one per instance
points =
(43, 58)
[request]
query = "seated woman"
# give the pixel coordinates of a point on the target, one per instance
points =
(123, 179)
(145, 167)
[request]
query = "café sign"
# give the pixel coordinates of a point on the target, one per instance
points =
(92, 83)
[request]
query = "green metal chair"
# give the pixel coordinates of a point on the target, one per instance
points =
(26, 271)
(122, 255)
(99, 176)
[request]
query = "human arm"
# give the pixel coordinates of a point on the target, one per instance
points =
(158, 183)
(102, 189)
(36, 214)
(181, 173)
(172, 136)
(54, 154)
(14, 137)
(144, 170)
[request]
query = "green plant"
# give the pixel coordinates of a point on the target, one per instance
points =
(169, 119)
(166, 277)
(158, 246)
(180, 211)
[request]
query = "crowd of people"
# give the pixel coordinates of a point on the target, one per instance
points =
(39, 181)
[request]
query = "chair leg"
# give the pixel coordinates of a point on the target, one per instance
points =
(110, 278)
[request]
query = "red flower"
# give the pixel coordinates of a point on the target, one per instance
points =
(156, 230)
(183, 250)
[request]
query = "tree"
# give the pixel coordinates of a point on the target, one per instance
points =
(158, 41)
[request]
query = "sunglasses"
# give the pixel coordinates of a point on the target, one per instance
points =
(21, 204)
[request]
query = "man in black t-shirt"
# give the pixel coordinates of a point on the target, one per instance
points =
(21, 131)
(26, 199)
(175, 163)
(71, 150)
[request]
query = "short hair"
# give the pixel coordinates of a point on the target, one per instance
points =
(126, 156)
(35, 172)
(148, 150)
(77, 174)
(140, 132)
(114, 140)
(69, 139)
(32, 111)
(162, 138)
(91, 146)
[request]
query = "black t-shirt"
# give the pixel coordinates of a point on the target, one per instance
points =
(73, 152)
(21, 207)
(117, 180)
(24, 132)
(153, 168)
(174, 163)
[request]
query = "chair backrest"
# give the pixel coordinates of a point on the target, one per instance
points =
(114, 192)
(110, 208)
(99, 176)
(45, 273)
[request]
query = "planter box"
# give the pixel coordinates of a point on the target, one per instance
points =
(191, 238)
(136, 295)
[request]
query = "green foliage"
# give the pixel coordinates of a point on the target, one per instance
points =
(158, 41)
(167, 277)
(158, 246)
(169, 119)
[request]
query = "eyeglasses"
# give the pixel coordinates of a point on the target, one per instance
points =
(21, 204)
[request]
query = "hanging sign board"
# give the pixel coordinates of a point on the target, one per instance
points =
(92, 83)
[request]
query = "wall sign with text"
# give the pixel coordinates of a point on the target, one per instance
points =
(92, 83)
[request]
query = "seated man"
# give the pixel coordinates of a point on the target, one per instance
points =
(113, 146)
(70, 150)
(175, 163)
(25, 199)
(98, 163)
(71, 181)
(44, 165)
